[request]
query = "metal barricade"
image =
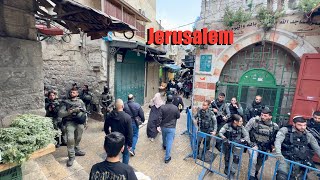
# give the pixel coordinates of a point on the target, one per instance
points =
(211, 160)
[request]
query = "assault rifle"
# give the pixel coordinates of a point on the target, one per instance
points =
(220, 111)
(315, 133)
(72, 106)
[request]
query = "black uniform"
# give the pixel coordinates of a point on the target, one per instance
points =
(207, 123)
(296, 146)
(254, 110)
(314, 128)
(236, 134)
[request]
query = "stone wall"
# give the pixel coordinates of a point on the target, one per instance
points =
(21, 75)
(21, 78)
(80, 61)
(17, 19)
(292, 33)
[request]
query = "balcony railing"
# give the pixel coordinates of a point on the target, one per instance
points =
(118, 12)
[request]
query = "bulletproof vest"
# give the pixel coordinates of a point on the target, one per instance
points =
(71, 105)
(257, 109)
(205, 121)
(55, 105)
(295, 146)
(262, 133)
(233, 133)
(86, 97)
(106, 99)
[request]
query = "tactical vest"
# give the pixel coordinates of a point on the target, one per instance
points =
(79, 117)
(263, 135)
(205, 121)
(233, 134)
(106, 99)
(296, 147)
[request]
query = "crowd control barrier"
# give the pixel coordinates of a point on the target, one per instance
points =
(212, 160)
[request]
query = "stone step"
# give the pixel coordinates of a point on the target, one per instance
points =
(49, 168)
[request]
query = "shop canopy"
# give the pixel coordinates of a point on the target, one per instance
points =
(135, 45)
(172, 67)
(78, 18)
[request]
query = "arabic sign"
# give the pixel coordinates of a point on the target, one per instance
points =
(292, 23)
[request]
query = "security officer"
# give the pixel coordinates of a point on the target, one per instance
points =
(106, 101)
(222, 112)
(86, 96)
(255, 108)
(233, 131)
(207, 123)
(73, 112)
(52, 106)
(262, 133)
(293, 143)
(313, 125)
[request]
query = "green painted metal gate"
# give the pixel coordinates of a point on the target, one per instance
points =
(264, 70)
(130, 77)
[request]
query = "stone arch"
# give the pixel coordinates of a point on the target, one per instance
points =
(293, 44)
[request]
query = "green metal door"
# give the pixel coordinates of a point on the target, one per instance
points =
(130, 77)
(261, 69)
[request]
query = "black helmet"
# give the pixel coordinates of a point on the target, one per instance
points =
(105, 88)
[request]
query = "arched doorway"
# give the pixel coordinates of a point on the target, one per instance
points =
(261, 69)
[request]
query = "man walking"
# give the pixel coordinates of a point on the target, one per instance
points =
(119, 121)
(74, 116)
(169, 114)
(137, 115)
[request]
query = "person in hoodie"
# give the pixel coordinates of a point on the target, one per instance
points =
(120, 121)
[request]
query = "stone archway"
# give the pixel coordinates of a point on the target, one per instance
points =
(294, 44)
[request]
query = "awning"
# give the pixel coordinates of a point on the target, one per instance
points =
(172, 67)
(136, 45)
(74, 16)
(165, 60)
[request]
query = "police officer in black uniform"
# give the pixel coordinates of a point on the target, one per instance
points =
(295, 143)
(52, 106)
(207, 123)
(313, 125)
(254, 109)
(233, 131)
(106, 101)
(262, 133)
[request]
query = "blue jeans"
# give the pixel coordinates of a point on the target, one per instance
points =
(125, 155)
(167, 139)
(135, 131)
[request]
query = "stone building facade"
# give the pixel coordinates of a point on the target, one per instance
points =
(21, 63)
(253, 48)
(87, 61)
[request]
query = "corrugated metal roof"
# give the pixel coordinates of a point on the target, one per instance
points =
(73, 15)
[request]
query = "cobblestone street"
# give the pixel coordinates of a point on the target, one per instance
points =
(149, 158)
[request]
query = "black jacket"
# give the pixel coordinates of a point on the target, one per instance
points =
(169, 114)
(136, 110)
(119, 122)
(177, 100)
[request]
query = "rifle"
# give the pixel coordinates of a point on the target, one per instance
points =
(220, 110)
(314, 132)
(72, 106)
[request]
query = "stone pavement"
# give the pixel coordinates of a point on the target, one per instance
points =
(149, 157)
